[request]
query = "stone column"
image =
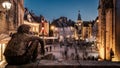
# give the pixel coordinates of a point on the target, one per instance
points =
(109, 28)
(3, 24)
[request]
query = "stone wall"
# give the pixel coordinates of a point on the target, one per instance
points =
(109, 37)
(3, 24)
(109, 32)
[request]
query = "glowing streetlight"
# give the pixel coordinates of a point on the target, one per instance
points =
(97, 20)
(43, 29)
(6, 5)
(52, 27)
(79, 24)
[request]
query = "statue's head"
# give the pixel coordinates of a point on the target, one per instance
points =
(23, 28)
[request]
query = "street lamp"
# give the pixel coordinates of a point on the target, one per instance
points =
(52, 28)
(79, 24)
(7, 5)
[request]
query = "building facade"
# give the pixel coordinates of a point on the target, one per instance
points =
(78, 26)
(14, 16)
(36, 23)
(87, 30)
(108, 29)
(62, 28)
(83, 29)
(9, 21)
(44, 26)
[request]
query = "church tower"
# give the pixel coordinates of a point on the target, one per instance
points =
(79, 20)
(78, 25)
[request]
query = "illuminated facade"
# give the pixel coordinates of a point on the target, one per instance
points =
(34, 27)
(87, 30)
(46, 29)
(15, 16)
(63, 28)
(78, 26)
(10, 23)
(44, 24)
(83, 29)
(3, 25)
(108, 29)
(36, 23)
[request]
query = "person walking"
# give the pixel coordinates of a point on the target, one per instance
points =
(111, 54)
(66, 52)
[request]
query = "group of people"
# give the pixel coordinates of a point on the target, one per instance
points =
(23, 47)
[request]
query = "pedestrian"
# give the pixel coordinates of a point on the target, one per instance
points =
(47, 49)
(23, 47)
(76, 57)
(111, 54)
(66, 52)
(85, 55)
(50, 48)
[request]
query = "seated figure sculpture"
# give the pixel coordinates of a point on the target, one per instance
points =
(23, 47)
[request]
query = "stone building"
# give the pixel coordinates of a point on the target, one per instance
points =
(87, 30)
(108, 29)
(14, 16)
(36, 23)
(95, 28)
(9, 23)
(83, 28)
(32, 20)
(78, 26)
(3, 25)
(63, 28)
(44, 26)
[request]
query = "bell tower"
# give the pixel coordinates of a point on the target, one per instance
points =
(79, 26)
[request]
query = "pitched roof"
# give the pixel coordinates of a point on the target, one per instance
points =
(63, 22)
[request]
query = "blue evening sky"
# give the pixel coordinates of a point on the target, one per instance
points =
(53, 9)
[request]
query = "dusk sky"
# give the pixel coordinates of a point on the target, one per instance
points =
(53, 9)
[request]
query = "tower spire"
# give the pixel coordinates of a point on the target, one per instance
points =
(79, 16)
